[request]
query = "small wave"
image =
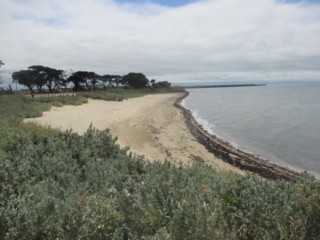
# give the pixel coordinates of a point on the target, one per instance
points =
(183, 102)
(209, 127)
(204, 123)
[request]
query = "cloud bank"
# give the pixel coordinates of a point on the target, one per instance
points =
(208, 40)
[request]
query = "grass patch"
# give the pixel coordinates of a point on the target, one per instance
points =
(119, 94)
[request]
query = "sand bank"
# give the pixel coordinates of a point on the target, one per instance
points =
(149, 125)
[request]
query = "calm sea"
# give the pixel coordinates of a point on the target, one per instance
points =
(280, 121)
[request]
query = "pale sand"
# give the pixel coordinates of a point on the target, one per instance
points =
(149, 125)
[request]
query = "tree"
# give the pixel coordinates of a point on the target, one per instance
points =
(39, 76)
(50, 77)
(163, 84)
(93, 78)
(112, 80)
(107, 79)
(26, 78)
(135, 80)
(117, 79)
(77, 80)
(81, 78)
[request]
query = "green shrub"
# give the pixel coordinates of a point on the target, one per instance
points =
(68, 186)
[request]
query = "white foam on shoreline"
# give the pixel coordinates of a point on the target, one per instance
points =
(183, 102)
(204, 123)
(209, 127)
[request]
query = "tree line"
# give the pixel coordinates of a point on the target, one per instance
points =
(40, 79)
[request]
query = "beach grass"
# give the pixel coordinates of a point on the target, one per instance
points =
(119, 94)
(60, 185)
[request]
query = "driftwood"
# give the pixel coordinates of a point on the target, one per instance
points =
(232, 155)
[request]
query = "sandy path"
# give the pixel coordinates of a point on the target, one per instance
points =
(149, 125)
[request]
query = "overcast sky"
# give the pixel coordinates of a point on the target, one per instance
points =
(177, 40)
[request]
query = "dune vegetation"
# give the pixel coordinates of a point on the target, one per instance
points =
(60, 185)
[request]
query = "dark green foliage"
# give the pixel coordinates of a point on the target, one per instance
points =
(135, 80)
(83, 80)
(39, 76)
(112, 80)
(43, 79)
(59, 185)
(25, 78)
(49, 77)
(163, 84)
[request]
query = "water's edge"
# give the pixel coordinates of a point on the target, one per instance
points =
(228, 153)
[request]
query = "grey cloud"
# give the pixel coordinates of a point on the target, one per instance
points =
(206, 40)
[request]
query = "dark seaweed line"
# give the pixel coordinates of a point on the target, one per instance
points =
(232, 155)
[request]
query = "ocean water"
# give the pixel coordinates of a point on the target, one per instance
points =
(280, 121)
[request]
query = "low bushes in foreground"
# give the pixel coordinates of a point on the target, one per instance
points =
(66, 186)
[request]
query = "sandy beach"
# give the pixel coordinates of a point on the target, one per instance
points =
(149, 125)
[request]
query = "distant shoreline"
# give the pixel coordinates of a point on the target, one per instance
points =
(232, 155)
(225, 86)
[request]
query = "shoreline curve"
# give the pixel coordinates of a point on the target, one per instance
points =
(232, 155)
